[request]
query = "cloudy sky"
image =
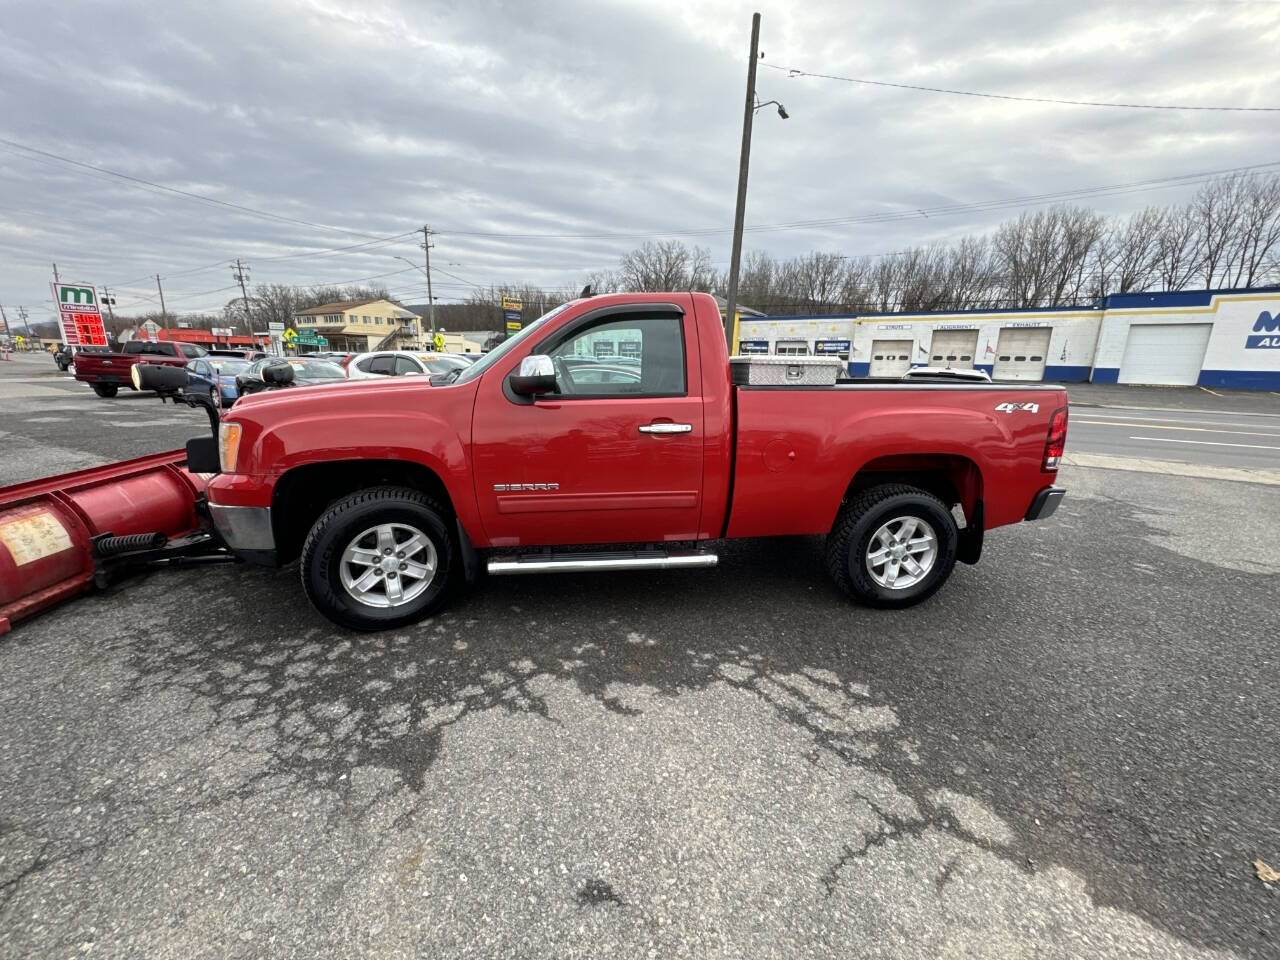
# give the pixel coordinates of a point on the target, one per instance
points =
(544, 138)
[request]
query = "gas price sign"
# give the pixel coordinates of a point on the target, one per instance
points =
(79, 315)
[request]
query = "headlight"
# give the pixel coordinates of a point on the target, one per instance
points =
(228, 445)
(134, 374)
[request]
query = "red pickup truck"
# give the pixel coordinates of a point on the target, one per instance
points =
(609, 435)
(107, 372)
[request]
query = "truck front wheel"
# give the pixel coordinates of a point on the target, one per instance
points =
(892, 546)
(107, 390)
(379, 559)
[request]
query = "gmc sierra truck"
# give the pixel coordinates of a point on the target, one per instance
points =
(108, 372)
(610, 435)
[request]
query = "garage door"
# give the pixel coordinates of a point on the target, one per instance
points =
(1020, 353)
(1164, 353)
(953, 348)
(890, 358)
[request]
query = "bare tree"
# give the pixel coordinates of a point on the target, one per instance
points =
(1178, 259)
(1258, 231)
(1218, 207)
(665, 265)
(1129, 257)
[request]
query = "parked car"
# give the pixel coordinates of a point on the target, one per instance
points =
(338, 357)
(399, 363)
(216, 376)
(244, 354)
(513, 465)
(306, 370)
(953, 374)
(107, 372)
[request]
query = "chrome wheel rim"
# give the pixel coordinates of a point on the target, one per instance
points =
(901, 553)
(388, 565)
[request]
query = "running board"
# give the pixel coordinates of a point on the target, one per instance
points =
(586, 562)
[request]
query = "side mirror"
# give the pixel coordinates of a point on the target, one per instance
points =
(164, 380)
(278, 374)
(537, 375)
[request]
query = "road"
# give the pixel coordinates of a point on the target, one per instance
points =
(1247, 440)
(50, 423)
(1069, 752)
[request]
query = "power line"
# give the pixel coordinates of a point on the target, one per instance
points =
(320, 253)
(139, 181)
(1133, 186)
(793, 72)
(290, 256)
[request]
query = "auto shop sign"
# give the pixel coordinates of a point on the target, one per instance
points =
(512, 313)
(79, 315)
(1269, 327)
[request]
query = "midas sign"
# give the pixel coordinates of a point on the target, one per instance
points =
(512, 303)
(78, 312)
(1265, 323)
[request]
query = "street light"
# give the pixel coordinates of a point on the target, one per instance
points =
(752, 105)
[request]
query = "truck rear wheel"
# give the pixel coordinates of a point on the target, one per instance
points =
(379, 559)
(892, 546)
(107, 390)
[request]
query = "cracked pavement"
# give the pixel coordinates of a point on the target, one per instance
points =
(1071, 751)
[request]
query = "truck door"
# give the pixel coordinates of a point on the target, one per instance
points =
(615, 454)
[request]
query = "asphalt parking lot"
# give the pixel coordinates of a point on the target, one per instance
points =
(1071, 751)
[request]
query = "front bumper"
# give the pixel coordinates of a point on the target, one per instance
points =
(1045, 503)
(247, 531)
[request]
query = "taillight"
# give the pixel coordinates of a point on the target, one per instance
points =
(1056, 442)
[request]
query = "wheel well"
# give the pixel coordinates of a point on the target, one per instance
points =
(952, 479)
(305, 492)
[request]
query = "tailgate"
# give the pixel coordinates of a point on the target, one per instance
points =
(104, 366)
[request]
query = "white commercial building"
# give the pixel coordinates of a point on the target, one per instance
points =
(1228, 338)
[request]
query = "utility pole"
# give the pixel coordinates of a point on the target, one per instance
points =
(164, 314)
(431, 301)
(735, 258)
(241, 274)
(4, 318)
(109, 300)
(22, 315)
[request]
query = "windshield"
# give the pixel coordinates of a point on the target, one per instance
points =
(228, 366)
(489, 359)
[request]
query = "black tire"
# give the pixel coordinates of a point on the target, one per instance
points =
(857, 524)
(342, 522)
(106, 390)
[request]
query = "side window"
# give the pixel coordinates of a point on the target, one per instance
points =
(365, 365)
(385, 365)
(630, 355)
(406, 365)
(193, 366)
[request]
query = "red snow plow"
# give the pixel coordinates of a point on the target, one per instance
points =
(63, 535)
(60, 536)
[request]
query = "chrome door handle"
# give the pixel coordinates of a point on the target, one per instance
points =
(667, 428)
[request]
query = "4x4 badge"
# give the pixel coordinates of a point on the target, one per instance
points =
(1015, 407)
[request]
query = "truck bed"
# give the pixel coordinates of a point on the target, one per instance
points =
(797, 447)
